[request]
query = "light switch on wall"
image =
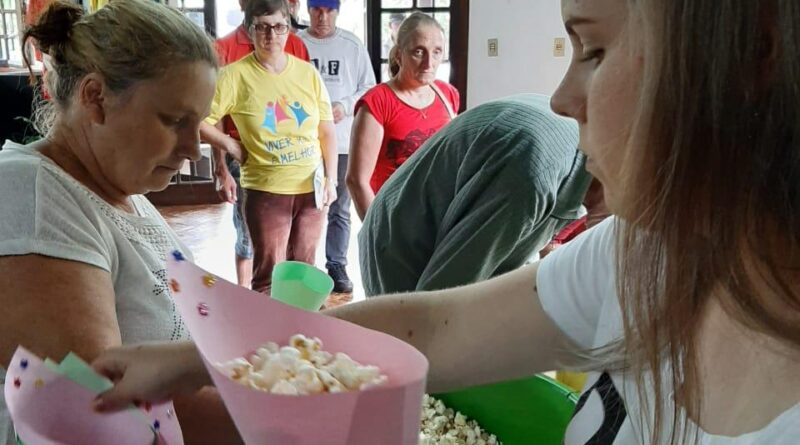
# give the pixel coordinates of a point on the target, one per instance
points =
(559, 47)
(493, 48)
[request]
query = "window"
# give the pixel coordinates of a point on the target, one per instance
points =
(229, 16)
(10, 35)
(201, 12)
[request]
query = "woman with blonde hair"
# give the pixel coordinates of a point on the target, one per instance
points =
(684, 306)
(82, 252)
(395, 118)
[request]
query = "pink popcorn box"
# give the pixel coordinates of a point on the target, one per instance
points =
(227, 322)
(49, 408)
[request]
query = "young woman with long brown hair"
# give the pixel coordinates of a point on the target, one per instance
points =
(685, 306)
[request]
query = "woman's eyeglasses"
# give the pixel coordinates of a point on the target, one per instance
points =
(262, 28)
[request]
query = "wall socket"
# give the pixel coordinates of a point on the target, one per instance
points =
(493, 52)
(559, 47)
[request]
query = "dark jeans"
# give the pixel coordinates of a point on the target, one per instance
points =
(282, 227)
(243, 248)
(338, 237)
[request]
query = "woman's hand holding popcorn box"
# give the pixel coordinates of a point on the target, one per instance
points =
(367, 390)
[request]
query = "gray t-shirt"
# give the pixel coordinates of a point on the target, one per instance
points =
(344, 65)
(478, 199)
(45, 211)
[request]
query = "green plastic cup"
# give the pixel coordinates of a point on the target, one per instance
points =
(300, 285)
(534, 410)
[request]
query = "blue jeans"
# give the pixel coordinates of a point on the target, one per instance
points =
(338, 237)
(244, 247)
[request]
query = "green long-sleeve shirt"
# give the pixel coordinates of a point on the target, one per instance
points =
(478, 199)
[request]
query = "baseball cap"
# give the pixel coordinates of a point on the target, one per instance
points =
(332, 4)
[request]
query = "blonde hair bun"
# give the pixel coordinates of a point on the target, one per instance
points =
(54, 27)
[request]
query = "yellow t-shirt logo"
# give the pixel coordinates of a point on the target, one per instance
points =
(276, 112)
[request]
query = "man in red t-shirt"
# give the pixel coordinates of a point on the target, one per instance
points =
(231, 48)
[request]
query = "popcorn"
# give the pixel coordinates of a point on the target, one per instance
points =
(284, 387)
(301, 368)
(444, 426)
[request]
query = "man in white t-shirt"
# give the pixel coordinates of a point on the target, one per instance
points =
(344, 64)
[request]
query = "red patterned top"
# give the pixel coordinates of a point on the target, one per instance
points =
(405, 128)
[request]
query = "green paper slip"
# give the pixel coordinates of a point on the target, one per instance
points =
(77, 370)
(53, 366)
(74, 368)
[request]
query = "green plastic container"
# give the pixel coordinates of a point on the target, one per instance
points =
(300, 285)
(531, 411)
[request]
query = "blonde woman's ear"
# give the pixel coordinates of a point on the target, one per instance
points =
(92, 94)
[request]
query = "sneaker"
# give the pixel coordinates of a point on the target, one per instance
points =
(341, 282)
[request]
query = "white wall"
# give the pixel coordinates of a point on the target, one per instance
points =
(525, 30)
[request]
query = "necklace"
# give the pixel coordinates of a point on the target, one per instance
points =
(411, 100)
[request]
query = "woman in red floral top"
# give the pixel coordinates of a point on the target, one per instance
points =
(395, 118)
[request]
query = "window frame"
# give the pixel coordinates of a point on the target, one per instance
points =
(6, 38)
(209, 11)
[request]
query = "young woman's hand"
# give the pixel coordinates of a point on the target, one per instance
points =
(153, 372)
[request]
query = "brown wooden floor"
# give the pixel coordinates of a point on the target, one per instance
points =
(207, 230)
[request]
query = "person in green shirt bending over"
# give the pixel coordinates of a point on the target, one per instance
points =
(479, 199)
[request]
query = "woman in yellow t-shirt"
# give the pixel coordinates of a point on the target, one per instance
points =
(283, 113)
